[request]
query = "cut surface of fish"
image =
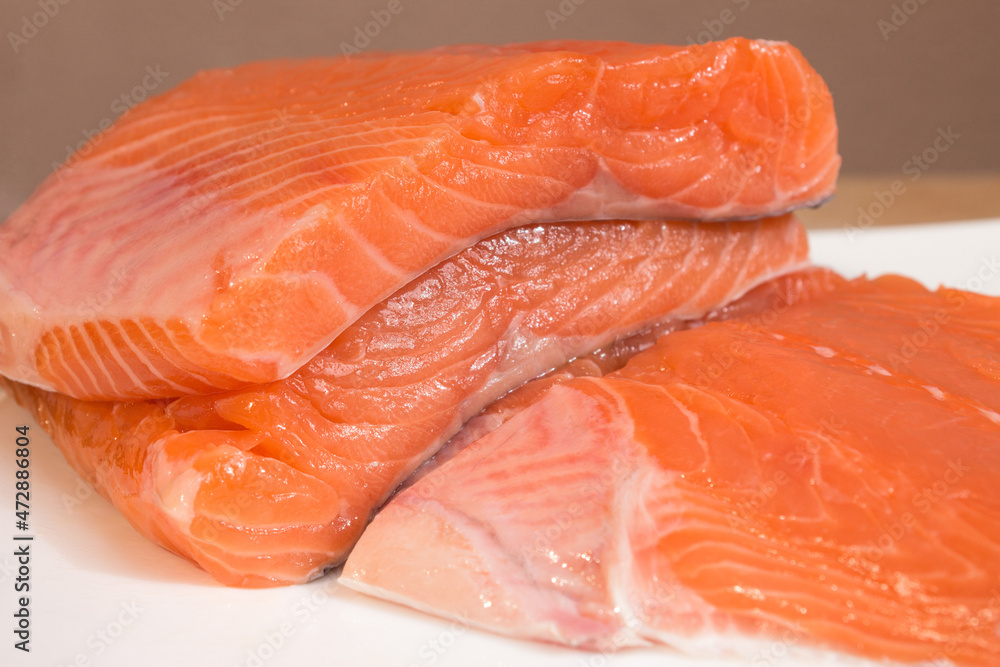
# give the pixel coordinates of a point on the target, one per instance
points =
(272, 484)
(826, 474)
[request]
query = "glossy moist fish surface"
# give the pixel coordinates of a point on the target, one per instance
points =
(272, 484)
(825, 474)
(222, 234)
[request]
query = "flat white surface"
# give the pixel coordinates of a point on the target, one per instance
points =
(102, 595)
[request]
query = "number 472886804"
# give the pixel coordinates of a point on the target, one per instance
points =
(21, 507)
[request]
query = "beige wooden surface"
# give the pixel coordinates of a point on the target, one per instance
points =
(870, 200)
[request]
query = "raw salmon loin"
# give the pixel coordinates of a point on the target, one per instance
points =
(826, 474)
(273, 484)
(786, 290)
(222, 234)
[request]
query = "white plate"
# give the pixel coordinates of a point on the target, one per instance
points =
(102, 595)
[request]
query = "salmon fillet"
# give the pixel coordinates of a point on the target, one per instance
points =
(778, 293)
(224, 233)
(272, 484)
(826, 474)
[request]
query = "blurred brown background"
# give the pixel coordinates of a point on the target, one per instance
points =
(900, 70)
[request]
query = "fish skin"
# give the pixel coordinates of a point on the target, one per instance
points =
(797, 471)
(223, 233)
(272, 484)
